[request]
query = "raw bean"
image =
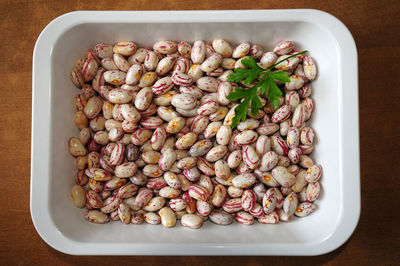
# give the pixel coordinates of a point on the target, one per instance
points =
(126, 48)
(156, 183)
(307, 136)
(80, 102)
(248, 200)
(294, 169)
(200, 148)
(184, 100)
(284, 127)
(216, 153)
(98, 174)
(268, 161)
(198, 52)
(266, 178)
(205, 167)
(223, 135)
(152, 218)
(244, 218)
(246, 137)
(93, 107)
(283, 176)
(165, 65)
(267, 129)
(168, 218)
(263, 145)
(184, 49)
(284, 47)
(198, 192)
(219, 195)
(207, 108)
(287, 64)
(284, 217)
(114, 77)
(232, 205)
(309, 104)
(248, 124)
(299, 115)
(290, 204)
(139, 178)
(192, 174)
(313, 173)
(269, 201)
(124, 213)
(165, 47)
(147, 79)
(208, 84)
(78, 196)
(187, 162)
(281, 114)
(205, 181)
(199, 124)
(89, 69)
(222, 169)
(260, 190)
(141, 136)
(234, 159)
(305, 91)
(310, 69)
(96, 216)
(235, 192)
(268, 59)
(154, 204)
(218, 115)
(195, 72)
(151, 61)
(228, 63)
(152, 170)
(143, 197)
(244, 181)
(108, 64)
(250, 157)
(139, 56)
(193, 221)
(127, 191)
(177, 204)
(222, 47)
(279, 145)
(80, 120)
(296, 82)
(137, 218)
(93, 160)
(186, 141)
(304, 209)
(203, 208)
(305, 161)
(294, 155)
(257, 211)
(96, 186)
(293, 137)
(126, 170)
(169, 192)
(272, 218)
(211, 63)
(256, 51)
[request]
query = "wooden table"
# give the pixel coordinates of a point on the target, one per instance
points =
(375, 26)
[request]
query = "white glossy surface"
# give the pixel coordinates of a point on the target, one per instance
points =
(335, 122)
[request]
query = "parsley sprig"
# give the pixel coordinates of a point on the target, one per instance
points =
(266, 85)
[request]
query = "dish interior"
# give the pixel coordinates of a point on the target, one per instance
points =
(322, 46)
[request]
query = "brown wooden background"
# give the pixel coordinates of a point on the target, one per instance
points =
(375, 26)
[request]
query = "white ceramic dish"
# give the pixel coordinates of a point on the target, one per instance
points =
(335, 120)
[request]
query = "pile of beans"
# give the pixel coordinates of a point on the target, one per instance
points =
(156, 142)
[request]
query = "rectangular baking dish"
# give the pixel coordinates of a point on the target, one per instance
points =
(335, 120)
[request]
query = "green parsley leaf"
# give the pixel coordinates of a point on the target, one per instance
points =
(266, 85)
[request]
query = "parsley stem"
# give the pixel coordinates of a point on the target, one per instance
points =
(294, 55)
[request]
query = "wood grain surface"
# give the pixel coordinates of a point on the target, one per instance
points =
(375, 26)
